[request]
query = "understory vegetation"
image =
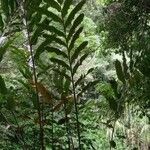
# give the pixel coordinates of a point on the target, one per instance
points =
(74, 74)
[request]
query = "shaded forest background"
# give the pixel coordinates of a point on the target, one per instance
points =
(75, 75)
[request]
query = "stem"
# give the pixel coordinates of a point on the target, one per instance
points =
(67, 126)
(74, 97)
(52, 127)
(73, 88)
(112, 135)
(76, 112)
(39, 111)
(38, 99)
(74, 92)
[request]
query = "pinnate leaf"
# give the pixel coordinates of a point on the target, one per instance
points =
(79, 63)
(74, 12)
(50, 14)
(66, 7)
(61, 63)
(53, 4)
(75, 37)
(76, 23)
(63, 74)
(78, 51)
(56, 50)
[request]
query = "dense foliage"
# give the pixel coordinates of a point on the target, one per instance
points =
(74, 75)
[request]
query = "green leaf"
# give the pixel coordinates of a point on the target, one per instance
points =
(2, 117)
(11, 104)
(76, 23)
(60, 1)
(53, 4)
(79, 63)
(69, 107)
(39, 29)
(63, 121)
(26, 85)
(1, 22)
(53, 30)
(3, 49)
(41, 47)
(35, 100)
(50, 14)
(2, 52)
(79, 80)
(12, 5)
(66, 7)
(78, 51)
(25, 72)
(90, 70)
(113, 104)
(90, 84)
(82, 77)
(43, 70)
(114, 86)
(34, 21)
(67, 86)
(119, 71)
(62, 74)
(137, 75)
(56, 77)
(3, 89)
(5, 7)
(61, 63)
(55, 39)
(56, 50)
(36, 35)
(74, 12)
(61, 80)
(75, 37)
(113, 144)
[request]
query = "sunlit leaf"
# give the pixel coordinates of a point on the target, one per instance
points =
(60, 1)
(53, 4)
(66, 7)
